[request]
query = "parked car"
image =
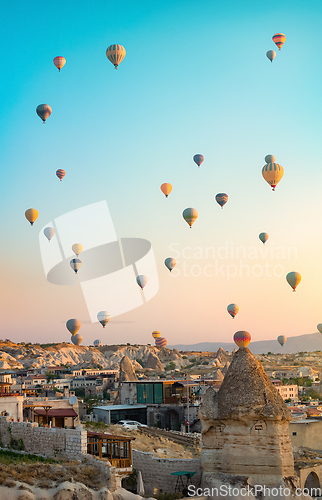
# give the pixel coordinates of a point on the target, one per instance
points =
(131, 424)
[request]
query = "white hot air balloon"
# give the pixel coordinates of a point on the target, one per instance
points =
(103, 317)
(49, 232)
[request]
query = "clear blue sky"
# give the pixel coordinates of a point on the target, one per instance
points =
(195, 79)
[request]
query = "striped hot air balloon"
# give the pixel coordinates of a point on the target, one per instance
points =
(59, 62)
(242, 338)
(221, 199)
(160, 342)
(156, 334)
(233, 310)
(279, 39)
(190, 215)
(60, 174)
(272, 173)
(115, 53)
(75, 264)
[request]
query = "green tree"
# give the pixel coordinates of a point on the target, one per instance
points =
(80, 392)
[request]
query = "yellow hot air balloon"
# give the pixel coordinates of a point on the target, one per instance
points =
(115, 53)
(156, 334)
(279, 39)
(31, 215)
(190, 215)
(166, 189)
(293, 279)
(77, 248)
(272, 173)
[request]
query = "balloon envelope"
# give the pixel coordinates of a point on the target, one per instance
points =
(97, 343)
(242, 338)
(319, 327)
(156, 334)
(190, 215)
(76, 339)
(198, 159)
(49, 232)
(103, 317)
(281, 339)
(272, 173)
(31, 215)
(142, 280)
(77, 248)
(76, 264)
(221, 199)
(269, 159)
(60, 173)
(59, 62)
(73, 326)
(160, 342)
(166, 189)
(233, 310)
(279, 39)
(263, 237)
(271, 54)
(170, 262)
(43, 111)
(115, 53)
(293, 279)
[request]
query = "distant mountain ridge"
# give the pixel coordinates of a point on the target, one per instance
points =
(309, 342)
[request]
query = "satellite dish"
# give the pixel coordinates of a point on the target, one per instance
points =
(72, 400)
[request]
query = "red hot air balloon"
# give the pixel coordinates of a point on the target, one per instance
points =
(60, 173)
(198, 159)
(242, 338)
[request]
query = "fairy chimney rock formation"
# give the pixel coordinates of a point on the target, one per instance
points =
(153, 363)
(245, 431)
(127, 373)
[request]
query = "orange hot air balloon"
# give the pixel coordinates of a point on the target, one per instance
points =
(31, 215)
(60, 174)
(242, 338)
(160, 342)
(59, 62)
(279, 39)
(272, 173)
(115, 53)
(166, 189)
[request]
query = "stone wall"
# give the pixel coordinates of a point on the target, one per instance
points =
(307, 434)
(156, 472)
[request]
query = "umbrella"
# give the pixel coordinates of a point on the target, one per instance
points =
(140, 485)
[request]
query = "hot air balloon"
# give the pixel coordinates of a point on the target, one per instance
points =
(156, 334)
(31, 215)
(190, 215)
(170, 263)
(293, 279)
(281, 339)
(166, 189)
(77, 248)
(76, 264)
(271, 54)
(103, 317)
(60, 173)
(142, 280)
(263, 237)
(97, 343)
(221, 199)
(319, 327)
(59, 62)
(242, 338)
(233, 310)
(115, 53)
(160, 342)
(43, 111)
(272, 173)
(49, 232)
(269, 159)
(198, 159)
(76, 339)
(73, 326)
(279, 39)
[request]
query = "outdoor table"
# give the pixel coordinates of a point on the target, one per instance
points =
(182, 484)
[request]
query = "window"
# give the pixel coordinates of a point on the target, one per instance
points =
(294, 433)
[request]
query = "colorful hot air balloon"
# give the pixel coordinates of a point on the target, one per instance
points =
(77, 248)
(142, 280)
(281, 339)
(233, 310)
(156, 334)
(293, 279)
(31, 215)
(49, 232)
(272, 173)
(76, 264)
(170, 262)
(190, 215)
(242, 338)
(198, 159)
(160, 342)
(76, 339)
(43, 111)
(115, 53)
(319, 327)
(59, 62)
(269, 159)
(221, 199)
(271, 54)
(166, 189)
(73, 326)
(263, 237)
(103, 317)
(60, 173)
(279, 39)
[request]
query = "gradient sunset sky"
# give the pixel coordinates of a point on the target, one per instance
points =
(195, 79)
